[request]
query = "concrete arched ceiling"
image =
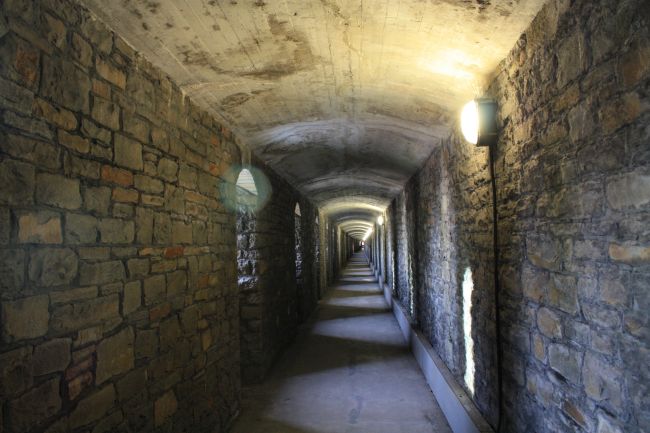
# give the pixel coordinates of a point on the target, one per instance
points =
(346, 99)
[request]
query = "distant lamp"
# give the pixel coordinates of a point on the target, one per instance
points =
(478, 122)
(380, 220)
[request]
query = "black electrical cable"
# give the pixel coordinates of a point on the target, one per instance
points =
(495, 251)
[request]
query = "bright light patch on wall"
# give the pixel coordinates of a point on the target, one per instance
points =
(380, 220)
(468, 288)
(469, 122)
(367, 235)
(451, 63)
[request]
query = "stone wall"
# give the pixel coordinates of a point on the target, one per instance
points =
(271, 307)
(119, 304)
(572, 175)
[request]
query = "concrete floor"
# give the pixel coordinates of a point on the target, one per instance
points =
(350, 371)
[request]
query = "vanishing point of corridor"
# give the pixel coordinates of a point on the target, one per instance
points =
(349, 371)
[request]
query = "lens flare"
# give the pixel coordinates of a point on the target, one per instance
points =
(469, 122)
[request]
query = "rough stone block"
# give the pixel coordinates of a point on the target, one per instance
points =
(128, 153)
(122, 195)
(146, 343)
(132, 385)
(72, 295)
(52, 356)
(40, 227)
(629, 191)
(35, 407)
(181, 233)
(176, 283)
(106, 113)
(115, 355)
(549, 323)
(110, 73)
(74, 142)
(132, 297)
(97, 200)
(18, 182)
(65, 84)
(58, 191)
(167, 169)
(149, 184)
(601, 380)
(162, 228)
(83, 167)
(165, 407)
(93, 407)
(144, 226)
(620, 112)
(25, 318)
(12, 270)
(154, 289)
(116, 231)
(52, 266)
(81, 50)
(80, 229)
(573, 57)
(16, 370)
(630, 253)
(170, 332)
(136, 127)
(565, 361)
(81, 315)
(101, 273)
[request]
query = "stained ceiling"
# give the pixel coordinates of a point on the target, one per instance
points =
(345, 99)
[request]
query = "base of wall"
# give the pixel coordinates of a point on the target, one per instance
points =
(460, 411)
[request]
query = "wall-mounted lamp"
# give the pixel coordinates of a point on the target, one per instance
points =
(380, 220)
(478, 122)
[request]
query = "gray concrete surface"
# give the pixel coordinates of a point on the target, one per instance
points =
(350, 371)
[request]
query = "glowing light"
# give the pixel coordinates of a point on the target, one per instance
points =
(380, 220)
(367, 235)
(469, 122)
(468, 288)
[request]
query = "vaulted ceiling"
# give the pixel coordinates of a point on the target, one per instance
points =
(344, 98)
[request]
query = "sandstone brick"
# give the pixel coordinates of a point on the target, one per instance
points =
(152, 200)
(52, 356)
(620, 112)
(12, 270)
(565, 361)
(97, 200)
(22, 61)
(35, 151)
(117, 175)
(634, 65)
(58, 116)
(101, 89)
(167, 169)
(40, 227)
(607, 425)
(132, 297)
(572, 58)
(15, 97)
(136, 127)
(72, 295)
(165, 407)
(52, 266)
(29, 125)
(97, 33)
(630, 253)
(91, 130)
(187, 176)
(80, 315)
(16, 369)
(563, 293)
(54, 29)
(128, 153)
(149, 184)
(160, 312)
(81, 50)
(549, 323)
(25, 318)
(80, 229)
(115, 355)
(144, 226)
(110, 73)
(18, 182)
(93, 407)
(116, 231)
(65, 84)
(106, 113)
(76, 166)
(601, 381)
(132, 385)
(58, 191)
(5, 226)
(574, 412)
(181, 233)
(146, 343)
(629, 191)
(122, 195)
(101, 273)
(162, 228)
(170, 332)
(138, 268)
(74, 142)
(154, 289)
(35, 407)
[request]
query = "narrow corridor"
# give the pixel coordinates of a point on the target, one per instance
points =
(350, 370)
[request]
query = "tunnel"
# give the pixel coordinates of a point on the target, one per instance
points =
(325, 216)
